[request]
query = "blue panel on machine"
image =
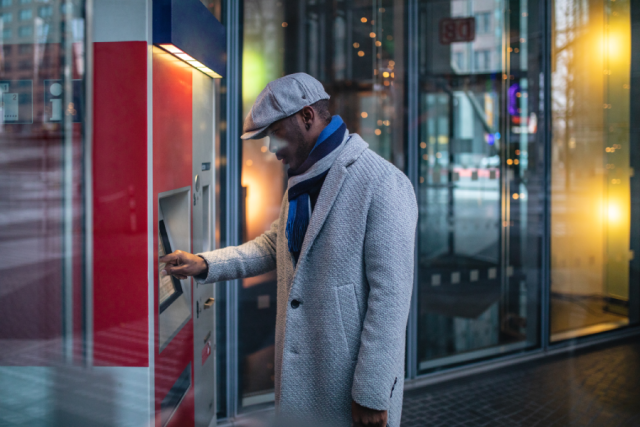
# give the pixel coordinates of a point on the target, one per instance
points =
(191, 27)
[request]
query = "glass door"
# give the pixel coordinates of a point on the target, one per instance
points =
(480, 180)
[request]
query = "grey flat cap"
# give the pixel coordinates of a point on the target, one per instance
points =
(281, 98)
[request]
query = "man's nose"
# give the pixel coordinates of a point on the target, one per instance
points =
(274, 144)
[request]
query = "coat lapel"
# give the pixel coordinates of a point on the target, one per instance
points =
(330, 189)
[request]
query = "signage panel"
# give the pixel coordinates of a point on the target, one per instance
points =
(453, 30)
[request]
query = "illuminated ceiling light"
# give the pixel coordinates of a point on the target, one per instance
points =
(170, 48)
(372, 35)
(360, 53)
(189, 60)
(363, 19)
(210, 72)
(184, 57)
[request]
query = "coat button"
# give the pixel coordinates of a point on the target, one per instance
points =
(295, 303)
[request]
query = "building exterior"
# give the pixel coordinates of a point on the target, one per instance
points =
(512, 118)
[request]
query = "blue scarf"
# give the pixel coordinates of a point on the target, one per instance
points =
(309, 177)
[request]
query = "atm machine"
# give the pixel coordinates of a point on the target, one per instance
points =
(153, 190)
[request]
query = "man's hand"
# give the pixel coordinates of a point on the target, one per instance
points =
(181, 264)
(367, 417)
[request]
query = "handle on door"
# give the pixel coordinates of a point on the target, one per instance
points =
(209, 303)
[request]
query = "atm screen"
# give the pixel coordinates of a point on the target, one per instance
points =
(169, 287)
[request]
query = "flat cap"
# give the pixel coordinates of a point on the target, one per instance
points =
(281, 98)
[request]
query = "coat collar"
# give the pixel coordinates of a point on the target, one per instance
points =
(354, 147)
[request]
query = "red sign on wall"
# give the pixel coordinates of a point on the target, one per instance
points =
(457, 30)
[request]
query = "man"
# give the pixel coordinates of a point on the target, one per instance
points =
(343, 248)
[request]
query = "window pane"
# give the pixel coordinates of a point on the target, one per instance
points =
(25, 31)
(45, 11)
(591, 168)
(356, 50)
(480, 182)
(41, 206)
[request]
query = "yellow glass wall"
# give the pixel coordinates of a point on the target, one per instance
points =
(590, 188)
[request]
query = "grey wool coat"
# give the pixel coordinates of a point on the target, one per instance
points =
(342, 310)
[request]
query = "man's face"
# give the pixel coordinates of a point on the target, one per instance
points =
(287, 141)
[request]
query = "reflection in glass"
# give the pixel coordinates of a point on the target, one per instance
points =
(41, 211)
(356, 50)
(591, 167)
(479, 183)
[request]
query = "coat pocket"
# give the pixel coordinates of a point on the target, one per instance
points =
(350, 316)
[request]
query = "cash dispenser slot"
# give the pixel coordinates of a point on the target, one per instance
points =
(174, 232)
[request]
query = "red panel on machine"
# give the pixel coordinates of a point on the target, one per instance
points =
(120, 300)
(172, 160)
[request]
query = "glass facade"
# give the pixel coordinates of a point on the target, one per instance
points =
(512, 118)
(592, 205)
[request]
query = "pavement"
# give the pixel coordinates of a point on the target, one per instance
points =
(599, 386)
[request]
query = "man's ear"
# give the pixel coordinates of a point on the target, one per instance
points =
(308, 116)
